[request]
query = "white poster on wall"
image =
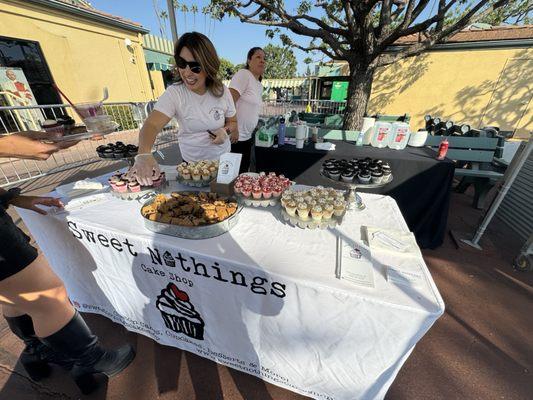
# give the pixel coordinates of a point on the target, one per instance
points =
(16, 91)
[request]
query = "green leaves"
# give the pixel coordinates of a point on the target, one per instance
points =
(280, 62)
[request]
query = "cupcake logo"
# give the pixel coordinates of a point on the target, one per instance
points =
(217, 113)
(356, 253)
(178, 312)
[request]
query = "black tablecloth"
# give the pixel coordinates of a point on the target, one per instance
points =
(421, 185)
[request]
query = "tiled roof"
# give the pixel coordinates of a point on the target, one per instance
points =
(85, 6)
(480, 35)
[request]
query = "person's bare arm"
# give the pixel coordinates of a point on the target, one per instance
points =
(28, 145)
(155, 122)
(232, 126)
(235, 94)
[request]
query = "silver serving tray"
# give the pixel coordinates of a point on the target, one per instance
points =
(192, 183)
(249, 201)
(356, 184)
(310, 223)
(193, 232)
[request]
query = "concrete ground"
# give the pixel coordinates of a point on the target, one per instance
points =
(481, 348)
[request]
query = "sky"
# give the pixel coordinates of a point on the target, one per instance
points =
(231, 38)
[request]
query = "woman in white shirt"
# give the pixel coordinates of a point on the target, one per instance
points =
(199, 101)
(247, 91)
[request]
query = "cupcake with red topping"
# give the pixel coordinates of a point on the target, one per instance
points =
(121, 186)
(257, 192)
(246, 190)
(267, 192)
(134, 187)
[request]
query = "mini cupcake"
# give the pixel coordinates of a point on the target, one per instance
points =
(334, 174)
(303, 211)
(121, 187)
(119, 152)
(134, 187)
(206, 175)
(267, 192)
(237, 187)
(327, 211)
(285, 200)
(276, 191)
(338, 207)
(364, 177)
(257, 192)
(290, 207)
(196, 175)
(385, 165)
(186, 174)
(317, 213)
(246, 191)
(377, 176)
(131, 150)
(100, 150)
(213, 171)
(373, 168)
(156, 182)
(386, 176)
(347, 176)
(108, 152)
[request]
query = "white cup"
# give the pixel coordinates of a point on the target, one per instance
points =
(300, 143)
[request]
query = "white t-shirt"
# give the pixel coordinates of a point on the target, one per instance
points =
(250, 102)
(196, 114)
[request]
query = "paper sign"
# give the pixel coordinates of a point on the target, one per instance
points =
(405, 276)
(356, 265)
(396, 242)
(228, 168)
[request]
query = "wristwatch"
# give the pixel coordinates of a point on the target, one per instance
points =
(6, 197)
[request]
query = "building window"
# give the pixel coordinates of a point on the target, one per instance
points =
(27, 55)
(24, 59)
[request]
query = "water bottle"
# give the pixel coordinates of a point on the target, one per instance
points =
(359, 141)
(281, 132)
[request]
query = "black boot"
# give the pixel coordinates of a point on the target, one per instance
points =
(32, 357)
(76, 340)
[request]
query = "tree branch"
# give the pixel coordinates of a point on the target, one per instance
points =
(417, 48)
(322, 49)
(323, 25)
(332, 15)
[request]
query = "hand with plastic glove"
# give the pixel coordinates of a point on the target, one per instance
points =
(220, 136)
(145, 169)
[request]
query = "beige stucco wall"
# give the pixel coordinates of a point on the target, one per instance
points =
(157, 83)
(478, 87)
(83, 56)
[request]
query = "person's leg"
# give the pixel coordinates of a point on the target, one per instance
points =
(37, 291)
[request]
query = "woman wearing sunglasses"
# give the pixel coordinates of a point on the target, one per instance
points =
(247, 91)
(199, 101)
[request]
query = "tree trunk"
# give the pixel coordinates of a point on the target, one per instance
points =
(361, 77)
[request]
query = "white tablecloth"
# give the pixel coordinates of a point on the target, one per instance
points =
(267, 298)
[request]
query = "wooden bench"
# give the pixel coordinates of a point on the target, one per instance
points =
(474, 163)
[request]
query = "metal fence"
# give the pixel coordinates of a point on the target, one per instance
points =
(129, 116)
(276, 107)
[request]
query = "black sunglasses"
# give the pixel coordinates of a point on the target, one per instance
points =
(194, 66)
